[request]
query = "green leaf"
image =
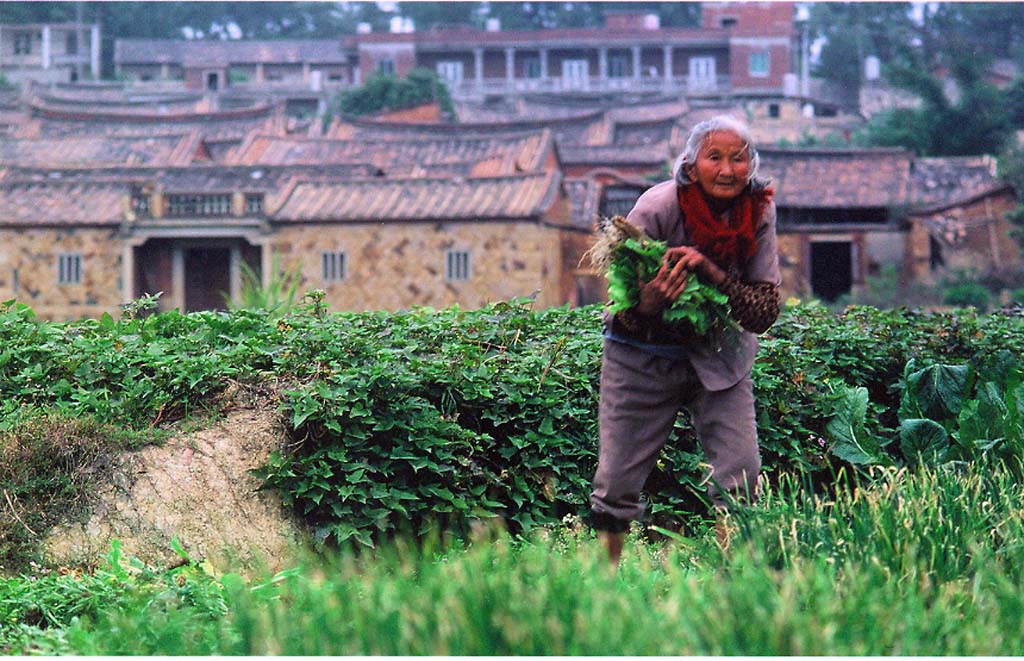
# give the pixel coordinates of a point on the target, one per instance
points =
(924, 440)
(851, 441)
(935, 392)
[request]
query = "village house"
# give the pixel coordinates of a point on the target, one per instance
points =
(49, 52)
(442, 221)
(845, 214)
(740, 48)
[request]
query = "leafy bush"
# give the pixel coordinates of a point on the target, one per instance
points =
(387, 92)
(424, 417)
(968, 294)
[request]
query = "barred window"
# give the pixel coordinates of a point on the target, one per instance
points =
(386, 67)
(140, 204)
(254, 204)
(456, 265)
(211, 205)
(334, 266)
(69, 268)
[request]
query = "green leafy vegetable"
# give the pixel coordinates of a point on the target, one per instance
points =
(636, 258)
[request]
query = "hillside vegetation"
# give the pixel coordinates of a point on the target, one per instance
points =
(422, 419)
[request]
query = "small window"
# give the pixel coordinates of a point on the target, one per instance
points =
(334, 266)
(456, 266)
(773, 110)
(69, 268)
(254, 204)
(140, 205)
(386, 67)
(450, 71)
(71, 43)
(728, 21)
(618, 66)
(759, 63)
(184, 205)
(23, 43)
(15, 281)
(531, 67)
(619, 200)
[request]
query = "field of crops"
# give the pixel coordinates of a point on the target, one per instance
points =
(923, 563)
(442, 459)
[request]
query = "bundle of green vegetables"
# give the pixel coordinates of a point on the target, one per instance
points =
(624, 252)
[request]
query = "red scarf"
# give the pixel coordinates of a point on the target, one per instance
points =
(730, 243)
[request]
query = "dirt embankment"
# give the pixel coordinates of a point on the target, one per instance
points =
(196, 487)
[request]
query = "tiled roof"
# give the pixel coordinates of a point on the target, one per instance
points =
(176, 107)
(523, 197)
(938, 182)
(195, 178)
(651, 154)
(553, 37)
(60, 203)
(643, 133)
(199, 52)
(808, 178)
(505, 154)
(651, 112)
(218, 130)
(98, 151)
(359, 128)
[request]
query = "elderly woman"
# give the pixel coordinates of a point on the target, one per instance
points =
(718, 220)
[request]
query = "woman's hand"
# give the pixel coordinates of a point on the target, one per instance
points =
(695, 261)
(667, 285)
(670, 281)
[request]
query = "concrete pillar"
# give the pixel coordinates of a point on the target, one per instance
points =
(478, 67)
(178, 278)
(305, 72)
(602, 63)
(543, 63)
(128, 272)
(94, 52)
(636, 62)
(165, 71)
(259, 72)
(667, 73)
(510, 68)
(235, 269)
(266, 258)
(46, 47)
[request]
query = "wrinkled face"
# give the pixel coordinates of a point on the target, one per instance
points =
(723, 165)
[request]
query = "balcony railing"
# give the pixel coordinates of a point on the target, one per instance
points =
(471, 88)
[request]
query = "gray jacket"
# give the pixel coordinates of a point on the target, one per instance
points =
(719, 365)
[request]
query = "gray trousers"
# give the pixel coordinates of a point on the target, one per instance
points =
(641, 396)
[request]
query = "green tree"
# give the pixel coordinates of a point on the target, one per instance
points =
(973, 119)
(855, 30)
(995, 29)
(385, 92)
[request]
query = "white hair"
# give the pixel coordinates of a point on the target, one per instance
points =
(699, 133)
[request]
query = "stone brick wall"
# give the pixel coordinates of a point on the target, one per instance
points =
(398, 265)
(33, 254)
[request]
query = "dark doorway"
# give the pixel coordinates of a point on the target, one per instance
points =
(831, 269)
(207, 278)
(212, 81)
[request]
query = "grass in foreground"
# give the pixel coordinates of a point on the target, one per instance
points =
(923, 563)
